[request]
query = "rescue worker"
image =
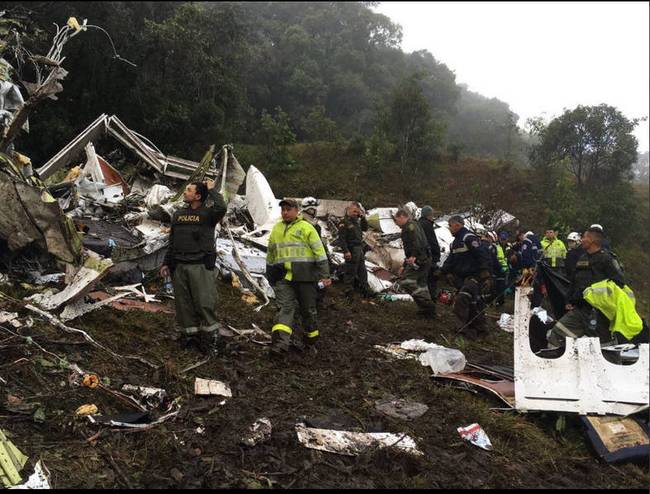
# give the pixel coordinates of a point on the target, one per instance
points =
(553, 250)
(467, 268)
(295, 263)
(501, 247)
(417, 263)
(488, 239)
(606, 243)
(308, 209)
(573, 254)
(582, 319)
(190, 261)
(351, 228)
(426, 222)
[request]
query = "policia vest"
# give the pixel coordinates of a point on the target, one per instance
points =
(192, 236)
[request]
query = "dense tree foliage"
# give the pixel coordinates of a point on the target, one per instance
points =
(595, 143)
(585, 157)
(207, 71)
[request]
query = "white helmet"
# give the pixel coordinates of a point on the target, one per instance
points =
(573, 236)
(309, 202)
(528, 234)
(597, 226)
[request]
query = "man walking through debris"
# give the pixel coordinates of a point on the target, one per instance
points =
(190, 259)
(468, 268)
(594, 265)
(295, 263)
(351, 228)
(417, 263)
(426, 222)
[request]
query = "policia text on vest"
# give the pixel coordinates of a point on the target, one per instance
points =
(190, 259)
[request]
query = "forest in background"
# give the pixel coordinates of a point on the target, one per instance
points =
(223, 71)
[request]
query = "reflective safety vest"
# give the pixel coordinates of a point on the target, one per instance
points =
(298, 248)
(618, 305)
(554, 251)
(501, 257)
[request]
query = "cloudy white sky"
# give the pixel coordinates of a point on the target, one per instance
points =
(539, 57)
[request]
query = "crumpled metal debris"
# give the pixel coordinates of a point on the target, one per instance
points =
(354, 443)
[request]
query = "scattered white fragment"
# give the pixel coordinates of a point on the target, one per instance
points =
(40, 479)
(542, 315)
(475, 434)
(200, 430)
(443, 360)
(211, 387)
(259, 432)
(353, 443)
(507, 323)
(153, 396)
(7, 316)
(418, 345)
(395, 351)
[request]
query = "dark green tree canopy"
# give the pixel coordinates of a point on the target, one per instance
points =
(594, 142)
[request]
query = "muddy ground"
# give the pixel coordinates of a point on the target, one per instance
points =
(338, 384)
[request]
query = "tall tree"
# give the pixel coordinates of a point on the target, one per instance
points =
(595, 143)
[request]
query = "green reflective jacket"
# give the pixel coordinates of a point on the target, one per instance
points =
(298, 248)
(618, 305)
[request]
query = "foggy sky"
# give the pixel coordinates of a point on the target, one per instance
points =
(539, 57)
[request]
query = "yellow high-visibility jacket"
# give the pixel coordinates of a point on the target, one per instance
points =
(298, 248)
(554, 251)
(618, 305)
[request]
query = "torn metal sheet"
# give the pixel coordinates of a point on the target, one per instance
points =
(503, 388)
(580, 380)
(262, 204)
(31, 215)
(92, 270)
(125, 304)
(142, 147)
(203, 387)
(353, 443)
(81, 307)
(381, 220)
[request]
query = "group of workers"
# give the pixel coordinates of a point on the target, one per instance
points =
(482, 268)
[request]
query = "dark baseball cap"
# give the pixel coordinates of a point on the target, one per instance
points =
(292, 203)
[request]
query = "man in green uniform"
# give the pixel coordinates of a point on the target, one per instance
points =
(190, 259)
(582, 319)
(417, 263)
(295, 263)
(351, 228)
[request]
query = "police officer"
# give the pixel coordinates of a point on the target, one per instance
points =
(468, 268)
(426, 222)
(295, 263)
(417, 263)
(351, 228)
(190, 258)
(594, 265)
